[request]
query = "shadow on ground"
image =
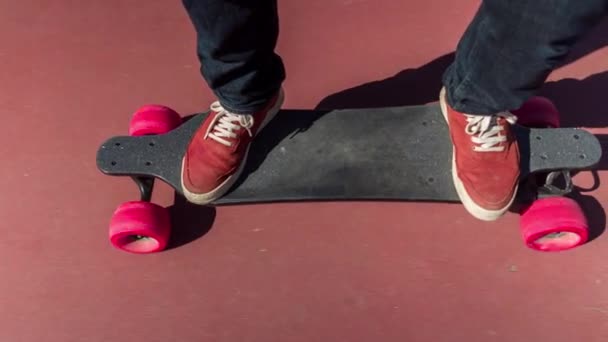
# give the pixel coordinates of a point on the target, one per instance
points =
(580, 102)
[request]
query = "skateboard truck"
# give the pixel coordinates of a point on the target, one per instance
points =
(550, 189)
(145, 186)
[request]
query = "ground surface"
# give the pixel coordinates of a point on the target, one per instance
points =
(72, 73)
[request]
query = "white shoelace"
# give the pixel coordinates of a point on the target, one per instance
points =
(225, 123)
(485, 131)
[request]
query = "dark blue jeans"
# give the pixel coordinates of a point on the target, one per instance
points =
(503, 58)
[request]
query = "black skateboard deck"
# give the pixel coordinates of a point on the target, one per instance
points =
(399, 153)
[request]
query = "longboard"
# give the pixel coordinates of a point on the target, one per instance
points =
(395, 153)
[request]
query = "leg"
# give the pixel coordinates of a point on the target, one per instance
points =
(235, 45)
(504, 57)
(509, 49)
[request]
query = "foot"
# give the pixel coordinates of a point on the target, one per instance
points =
(216, 155)
(485, 161)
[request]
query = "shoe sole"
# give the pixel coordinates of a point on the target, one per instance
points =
(219, 191)
(470, 205)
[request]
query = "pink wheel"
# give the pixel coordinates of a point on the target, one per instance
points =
(538, 112)
(140, 227)
(554, 224)
(153, 119)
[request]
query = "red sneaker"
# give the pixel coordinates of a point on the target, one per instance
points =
(485, 161)
(216, 155)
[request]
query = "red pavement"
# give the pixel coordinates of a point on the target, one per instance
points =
(71, 74)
